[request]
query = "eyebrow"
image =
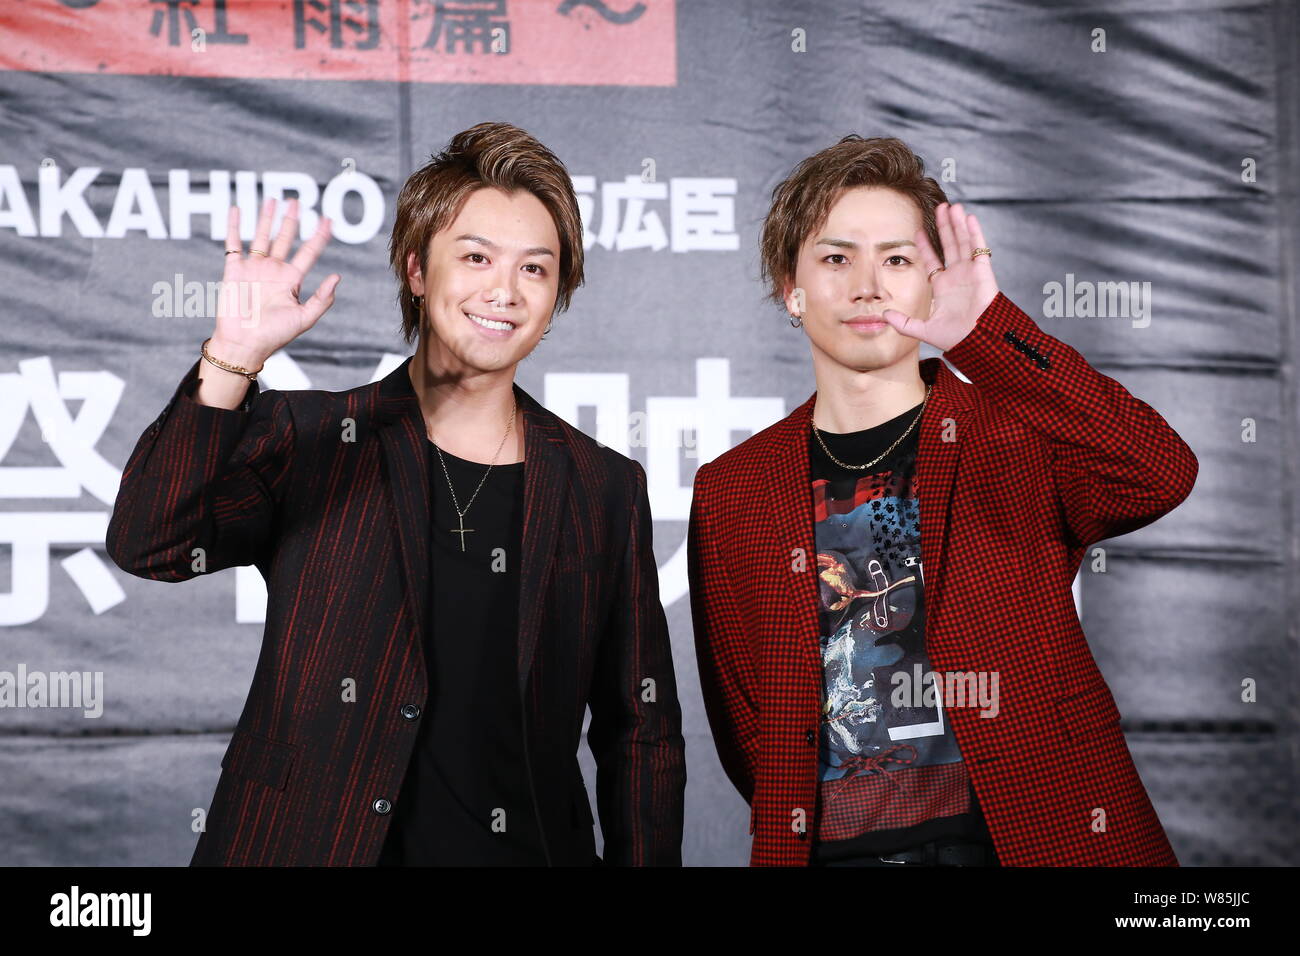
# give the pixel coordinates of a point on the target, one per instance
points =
(534, 251)
(850, 244)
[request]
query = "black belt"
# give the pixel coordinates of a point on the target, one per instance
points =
(943, 853)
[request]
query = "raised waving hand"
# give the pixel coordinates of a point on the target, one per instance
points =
(258, 310)
(959, 291)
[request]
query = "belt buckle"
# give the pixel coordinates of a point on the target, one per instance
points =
(908, 855)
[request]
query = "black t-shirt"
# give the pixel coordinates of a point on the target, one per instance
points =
(890, 773)
(465, 800)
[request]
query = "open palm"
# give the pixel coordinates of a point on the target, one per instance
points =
(959, 293)
(258, 311)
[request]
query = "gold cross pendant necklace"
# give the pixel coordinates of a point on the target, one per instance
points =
(460, 513)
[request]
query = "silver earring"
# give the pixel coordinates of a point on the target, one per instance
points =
(796, 321)
(418, 300)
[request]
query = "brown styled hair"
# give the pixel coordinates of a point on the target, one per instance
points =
(802, 202)
(489, 155)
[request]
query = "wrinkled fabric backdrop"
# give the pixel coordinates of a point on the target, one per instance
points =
(1146, 145)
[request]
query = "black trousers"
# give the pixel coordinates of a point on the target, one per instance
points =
(939, 852)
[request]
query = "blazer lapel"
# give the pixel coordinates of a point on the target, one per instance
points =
(787, 501)
(547, 468)
(402, 435)
(945, 430)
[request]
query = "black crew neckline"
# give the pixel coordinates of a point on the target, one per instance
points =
(882, 427)
(467, 464)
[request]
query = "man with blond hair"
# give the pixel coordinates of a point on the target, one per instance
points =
(454, 573)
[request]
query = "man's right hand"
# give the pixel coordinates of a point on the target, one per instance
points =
(258, 311)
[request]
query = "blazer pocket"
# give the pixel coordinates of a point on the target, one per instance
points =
(259, 758)
(1087, 711)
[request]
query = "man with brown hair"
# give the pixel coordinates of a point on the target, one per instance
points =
(454, 573)
(888, 648)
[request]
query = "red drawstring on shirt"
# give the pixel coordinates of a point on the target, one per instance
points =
(876, 762)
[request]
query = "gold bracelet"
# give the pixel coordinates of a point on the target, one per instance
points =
(237, 369)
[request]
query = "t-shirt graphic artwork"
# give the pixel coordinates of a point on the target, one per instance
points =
(891, 773)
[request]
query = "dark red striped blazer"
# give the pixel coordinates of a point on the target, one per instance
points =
(326, 493)
(1016, 474)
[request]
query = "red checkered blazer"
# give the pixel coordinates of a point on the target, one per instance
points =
(339, 530)
(1016, 474)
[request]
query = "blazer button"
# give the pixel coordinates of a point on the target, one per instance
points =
(411, 711)
(381, 806)
(810, 737)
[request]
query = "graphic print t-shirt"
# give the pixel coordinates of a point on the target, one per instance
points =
(890, 772)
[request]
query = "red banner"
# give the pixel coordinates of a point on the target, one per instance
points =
(594, 42)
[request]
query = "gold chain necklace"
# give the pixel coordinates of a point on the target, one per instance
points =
(460, 515)
(885, 453)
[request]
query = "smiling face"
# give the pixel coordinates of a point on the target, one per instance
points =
(862, 261)
(490, 284)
